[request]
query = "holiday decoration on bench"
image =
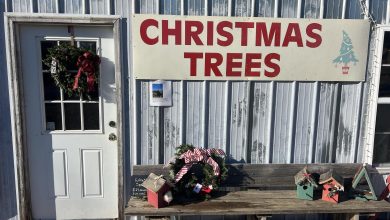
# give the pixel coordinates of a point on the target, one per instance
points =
(306, 184)
(158, 190)
(362, 187)
(197, 172)
(332, 186)
(386, 192)
(74, 70)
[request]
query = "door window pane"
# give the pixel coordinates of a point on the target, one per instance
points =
(51, 91)
(91, 116)
(265, 8)
(72, 116)
(53, 116)
(45, 45)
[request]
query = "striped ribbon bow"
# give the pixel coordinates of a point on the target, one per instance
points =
(198, 155)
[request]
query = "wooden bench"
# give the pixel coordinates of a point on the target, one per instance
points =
(258, 190)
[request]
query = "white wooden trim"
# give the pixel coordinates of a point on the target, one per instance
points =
(12, 22)
(373, 99)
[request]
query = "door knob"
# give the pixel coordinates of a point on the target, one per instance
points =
(112, 137)
(112, 124)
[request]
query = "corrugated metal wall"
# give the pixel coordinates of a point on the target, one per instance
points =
(254, 122)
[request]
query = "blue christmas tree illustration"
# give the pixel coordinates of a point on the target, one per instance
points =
(346, 53)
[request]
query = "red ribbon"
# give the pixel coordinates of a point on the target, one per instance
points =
(198, 155)
(87, 63)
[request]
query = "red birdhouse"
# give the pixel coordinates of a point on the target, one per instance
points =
(158, 190)
(333, 186)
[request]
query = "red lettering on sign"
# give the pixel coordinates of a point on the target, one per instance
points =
(210, 33)
(175, 32)
(143, 29)
(293, 34)
(271, 37)
(268, 61)
(315, 36)
(250, 64)
(222, 32)
(230, 64)
(244, 26)
(209, 65)
(193, 57)
(193, 34)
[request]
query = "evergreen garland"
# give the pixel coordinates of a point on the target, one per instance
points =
(62, 61)
(200, 172)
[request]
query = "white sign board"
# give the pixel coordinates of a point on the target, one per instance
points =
(226, 48)
(160, 93)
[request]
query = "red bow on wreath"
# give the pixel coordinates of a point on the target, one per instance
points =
(88, 64)
(198, 155)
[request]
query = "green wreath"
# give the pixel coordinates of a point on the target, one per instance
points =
(200, 172)
(73, 69)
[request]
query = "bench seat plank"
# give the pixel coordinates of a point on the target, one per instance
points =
(255, 202)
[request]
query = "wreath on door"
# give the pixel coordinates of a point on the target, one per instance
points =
(73, 69)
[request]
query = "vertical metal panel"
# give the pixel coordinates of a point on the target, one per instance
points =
(349, 121)
(219, 127)
(311, 8)
(283, 122)
(242, 8)
(101, 7)
(261, 122)
(239, 121)
(326, 118)
(378, 9)
(264, 8)
(260, 146)
(219, 7)
(172, 122)
(74, 6)
(305, 122)
(195, 114)
(288, 8)
(172, 115)
(217, 115)
(333, 8)
(146, 6)
(240, 101)
(353, 10)
(194, 7)
(149, 123)
(22, 6)
(47, 6)
(170, 7)
(306, 104)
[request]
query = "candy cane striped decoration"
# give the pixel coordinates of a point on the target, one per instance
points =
(197, 155)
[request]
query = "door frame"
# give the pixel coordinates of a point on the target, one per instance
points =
(15, 87)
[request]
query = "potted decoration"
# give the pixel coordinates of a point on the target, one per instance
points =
(74, 70)
(197, 172)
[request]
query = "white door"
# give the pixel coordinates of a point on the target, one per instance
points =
(73, 166)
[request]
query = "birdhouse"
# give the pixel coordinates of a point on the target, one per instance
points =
(158, 190)
(306, 185)
(332, 186)
(362, 187)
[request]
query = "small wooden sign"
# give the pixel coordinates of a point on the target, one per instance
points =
(137, 190)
